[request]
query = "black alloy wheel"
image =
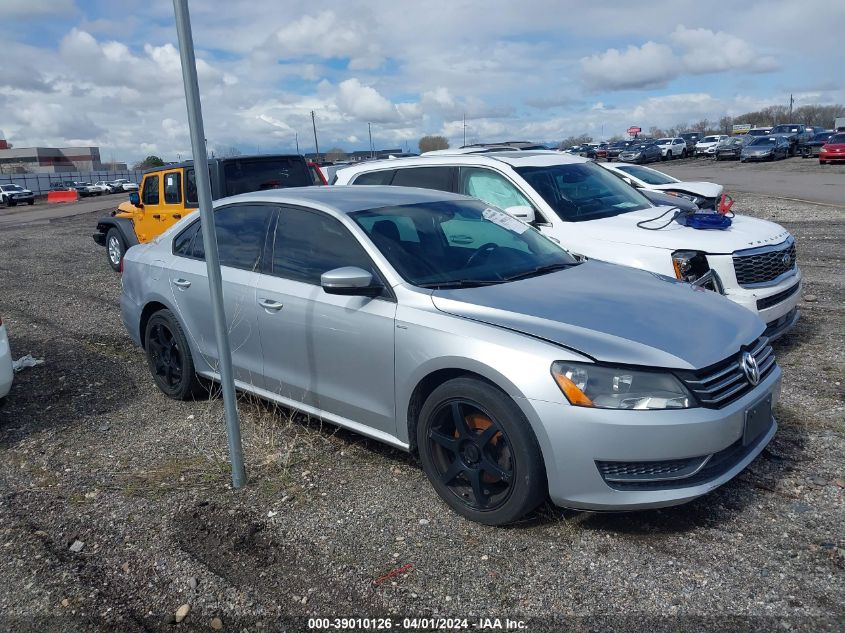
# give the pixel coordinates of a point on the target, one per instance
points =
(479, 452)
(169, 357)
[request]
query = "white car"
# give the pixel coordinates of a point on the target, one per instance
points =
(707, 145)
(102, 186)
(672, 147)
(705, 195)
(122, 184)
(5, 362)
(592, 213)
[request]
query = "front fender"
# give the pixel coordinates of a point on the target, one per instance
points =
(124, 225)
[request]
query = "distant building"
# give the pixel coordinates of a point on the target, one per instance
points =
(49, 160)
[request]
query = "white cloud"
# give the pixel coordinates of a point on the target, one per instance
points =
(647, 66)
(328, 36)
(706, 51)
(364, 103)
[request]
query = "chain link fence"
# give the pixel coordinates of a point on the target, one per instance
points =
(40, 184)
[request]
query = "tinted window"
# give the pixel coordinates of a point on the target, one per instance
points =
(648, 176)
(150, 195)
(439, 178)
(259, 174)
(308, 243)
(191, 187)
(172, 188)
(240, 230)
(836, 139)
(182, 243)
(375, 178)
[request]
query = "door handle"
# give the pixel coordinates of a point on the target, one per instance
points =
(182, 283)
(269, 304)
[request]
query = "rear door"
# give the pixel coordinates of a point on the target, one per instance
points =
(241, 235)
(331, 352)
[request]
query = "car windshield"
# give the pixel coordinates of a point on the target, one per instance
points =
(737, 140)
(664, 141)
(583, 191)
(823, 136)
(710, 139)
(12, 188)
(836, 139)
(648, 176)
(459, 243)
(762, 141)
(785, 129)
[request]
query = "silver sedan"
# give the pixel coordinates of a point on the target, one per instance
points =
(440, 325)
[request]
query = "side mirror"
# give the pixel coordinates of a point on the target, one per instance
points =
(522, 212)
(135, 199)
(349, 280)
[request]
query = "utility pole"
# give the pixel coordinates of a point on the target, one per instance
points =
(212, 260)
(370, 132)
(296, 137)
(465, 128)
(316, 144)
(791, 101)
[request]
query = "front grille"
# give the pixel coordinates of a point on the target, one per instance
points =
(649, 471)
(764, 265)
(768, 302)
(720, 384)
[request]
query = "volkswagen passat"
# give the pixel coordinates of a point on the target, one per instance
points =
(441, 325)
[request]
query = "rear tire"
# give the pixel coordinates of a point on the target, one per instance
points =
(30, 202)
(115, 248)
(169, 357)
(480, 453)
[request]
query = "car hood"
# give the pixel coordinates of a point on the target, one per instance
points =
(704, 189)
(613, 314)
(744, 232)
(829, 146)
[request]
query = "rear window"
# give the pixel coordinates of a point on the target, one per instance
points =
(259, 174)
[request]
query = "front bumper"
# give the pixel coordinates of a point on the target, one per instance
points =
(771, 303)
(578, 439)
(753, 157)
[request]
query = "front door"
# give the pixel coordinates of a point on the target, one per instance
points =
(334, 353)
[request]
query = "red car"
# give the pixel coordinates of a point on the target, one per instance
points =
(833, 150)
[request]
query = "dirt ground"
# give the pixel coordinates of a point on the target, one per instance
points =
(116, 509)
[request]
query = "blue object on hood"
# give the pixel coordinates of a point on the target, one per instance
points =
(704, 220)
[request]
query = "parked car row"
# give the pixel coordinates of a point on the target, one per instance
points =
(86, 189)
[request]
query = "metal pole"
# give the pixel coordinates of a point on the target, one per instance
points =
(465, 129)
(215, 281)
(316, 144)
(370, 132)
(296, 136)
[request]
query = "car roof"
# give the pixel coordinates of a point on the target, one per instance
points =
(345, 198)
(516, 158)
(228, 159)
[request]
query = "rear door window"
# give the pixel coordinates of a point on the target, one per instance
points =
(241, 232)
(382, 177)
(172, 188)
(439, 178)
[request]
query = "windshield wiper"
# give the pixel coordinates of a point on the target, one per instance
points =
(542, 270)
(460, 283)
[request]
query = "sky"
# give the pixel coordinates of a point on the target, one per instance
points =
(107, 73)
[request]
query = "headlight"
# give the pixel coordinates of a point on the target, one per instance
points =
(685, 196)
(689, 265)
(595, 386)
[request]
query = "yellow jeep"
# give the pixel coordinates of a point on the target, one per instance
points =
(168, 193)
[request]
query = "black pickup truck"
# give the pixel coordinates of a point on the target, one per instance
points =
(796, 133)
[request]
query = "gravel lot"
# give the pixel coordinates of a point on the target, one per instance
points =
(92, 452)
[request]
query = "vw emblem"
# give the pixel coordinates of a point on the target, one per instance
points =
(786, 259)
(749, 368)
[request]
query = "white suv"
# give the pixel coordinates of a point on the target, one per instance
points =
(672, 147)
(595, 214)
(707, 145)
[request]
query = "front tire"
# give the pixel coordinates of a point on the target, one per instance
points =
(30, 202)
(479, 452)
(169, 357)
(115, 248)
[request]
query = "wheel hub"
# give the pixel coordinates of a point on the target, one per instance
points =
(470, 453)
